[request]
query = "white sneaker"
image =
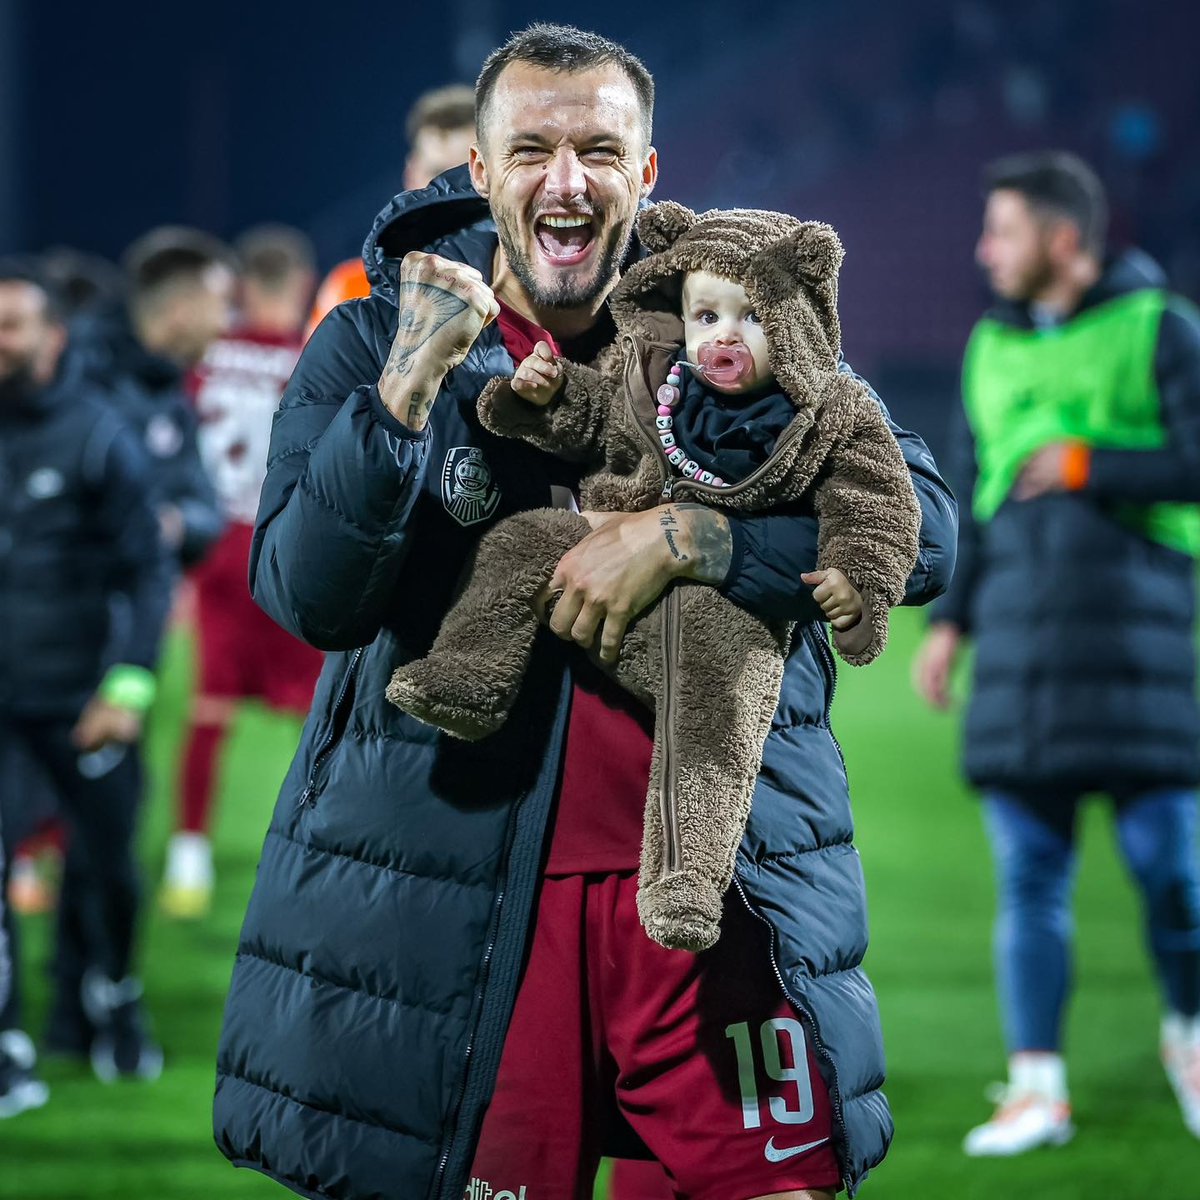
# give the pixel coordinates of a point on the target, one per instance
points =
(188, 878)
(1022, 1121)
(1181, 1058)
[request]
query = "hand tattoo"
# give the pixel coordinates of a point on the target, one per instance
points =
(424, 309)
(670, 526)
(712, 543)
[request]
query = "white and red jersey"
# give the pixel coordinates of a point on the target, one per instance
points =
(236, 389)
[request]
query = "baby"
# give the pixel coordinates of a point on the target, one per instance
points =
(723, 388)
(726, 350)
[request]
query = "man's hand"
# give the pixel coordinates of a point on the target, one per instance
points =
(838, 598)
(1055, 467)
(626, 563)
(934, 662)
(443, 306)
(539, 378)
(102, 722)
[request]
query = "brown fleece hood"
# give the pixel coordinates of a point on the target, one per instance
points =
(788, 267)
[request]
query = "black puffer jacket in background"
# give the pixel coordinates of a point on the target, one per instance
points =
(147, 390)
(382, 946)
(1085, 666)
(84, 582)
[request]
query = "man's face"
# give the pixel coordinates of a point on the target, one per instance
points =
(200, 311)
(1014, 247)
(723, 334)
(563, 163)
(436, 150)
(30, 342)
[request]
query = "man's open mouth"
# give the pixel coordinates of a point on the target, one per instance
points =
(564, 239)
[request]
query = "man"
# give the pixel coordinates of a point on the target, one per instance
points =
(241, 651)
(1080, 455)
(179, 288)
(417, 896)
(82, 601)
(440, 128)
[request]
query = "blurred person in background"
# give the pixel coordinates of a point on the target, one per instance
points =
(82, 284)
(1078, 463)
(440, 128)
(241, 651)
(458, 916)
(179, 287)
(83, 595)
(179, 296)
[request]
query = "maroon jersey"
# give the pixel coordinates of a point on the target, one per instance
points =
(236, 389)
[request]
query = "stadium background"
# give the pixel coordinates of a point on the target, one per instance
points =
(874, 116)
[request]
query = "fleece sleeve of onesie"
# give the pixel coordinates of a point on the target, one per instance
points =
(868, 516)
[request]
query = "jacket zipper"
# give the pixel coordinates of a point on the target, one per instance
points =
(839, 1118)
(672, 848)
(306, 796)
(484, 965)
(481, 989)
(831, 665)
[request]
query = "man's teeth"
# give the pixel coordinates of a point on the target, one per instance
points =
(566, 222)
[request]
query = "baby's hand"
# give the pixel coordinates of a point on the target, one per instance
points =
(539, 378)
(838, 597)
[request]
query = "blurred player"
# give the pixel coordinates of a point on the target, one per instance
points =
(82, 284)
(82, 603)
(1075, 579)
(179, 289)
(440, 128)
(242, 652)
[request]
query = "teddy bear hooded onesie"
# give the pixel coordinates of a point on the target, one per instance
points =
(710, 671)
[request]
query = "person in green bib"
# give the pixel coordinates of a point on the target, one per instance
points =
(1078, 475)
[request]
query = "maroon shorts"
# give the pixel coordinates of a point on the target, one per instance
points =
(701, 1054)
(242, 651)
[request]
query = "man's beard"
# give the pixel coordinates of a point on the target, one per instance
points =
(18, 386)
(568, 291)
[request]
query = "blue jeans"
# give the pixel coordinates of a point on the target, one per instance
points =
(1033, 843)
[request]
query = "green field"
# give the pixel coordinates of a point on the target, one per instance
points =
(930, 892)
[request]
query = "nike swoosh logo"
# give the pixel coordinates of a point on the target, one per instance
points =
(778, 1154)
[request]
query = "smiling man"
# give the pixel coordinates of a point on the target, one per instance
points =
(441, 983)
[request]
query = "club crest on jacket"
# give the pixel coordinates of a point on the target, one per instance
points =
(468, 491)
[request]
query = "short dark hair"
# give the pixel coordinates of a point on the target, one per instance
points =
(443, 108)
(272, 254)
(1058, 184)
(563, 48)
(21, 269)
(167, 256)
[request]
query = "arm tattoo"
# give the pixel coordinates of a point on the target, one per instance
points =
(669, 524)
(424, 309)
(711, 542)
(419, 408)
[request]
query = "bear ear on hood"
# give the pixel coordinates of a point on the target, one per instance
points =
(812, 255)
(661, 225)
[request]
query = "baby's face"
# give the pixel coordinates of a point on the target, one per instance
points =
(723, 334)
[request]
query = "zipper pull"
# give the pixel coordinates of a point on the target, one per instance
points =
(305, 796)
(668, 487)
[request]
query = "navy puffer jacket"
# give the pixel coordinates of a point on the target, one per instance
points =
(380, 955)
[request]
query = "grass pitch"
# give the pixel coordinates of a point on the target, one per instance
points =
(930, 888)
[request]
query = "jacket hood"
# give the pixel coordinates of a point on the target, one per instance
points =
(416, 220)
(1130, 271)
(788, 267)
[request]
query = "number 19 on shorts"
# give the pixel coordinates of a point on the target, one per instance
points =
(781, 1039)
